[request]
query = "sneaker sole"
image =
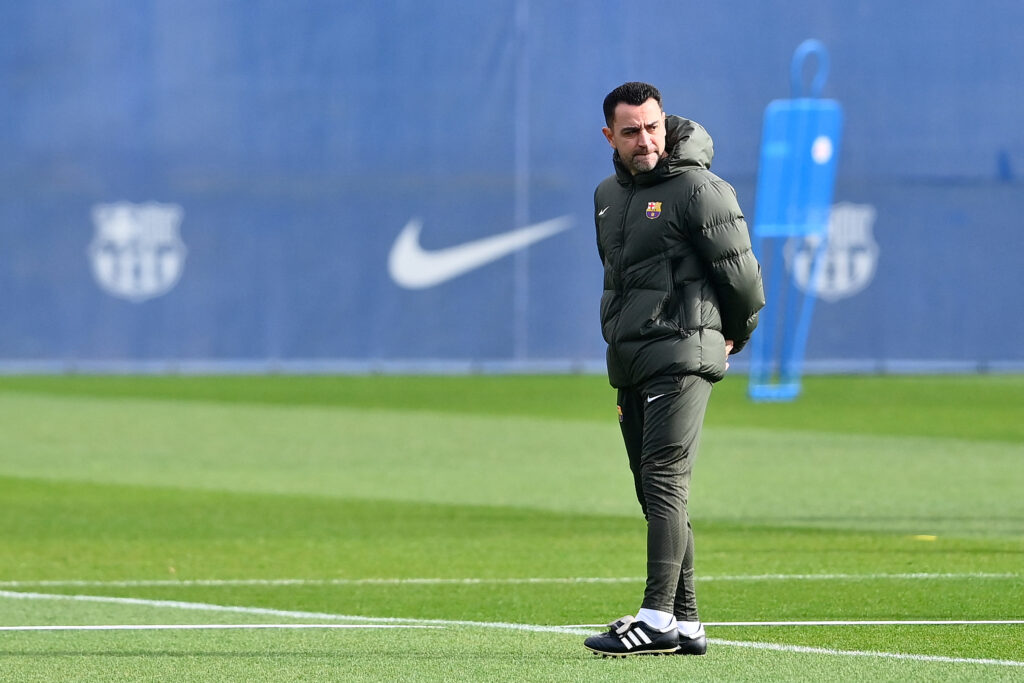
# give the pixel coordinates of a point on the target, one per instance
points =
(623, 655)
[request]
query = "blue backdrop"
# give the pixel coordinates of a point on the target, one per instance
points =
(187, 182)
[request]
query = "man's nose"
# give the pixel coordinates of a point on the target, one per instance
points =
(645, 138)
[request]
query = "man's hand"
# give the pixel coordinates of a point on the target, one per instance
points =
(728, 349)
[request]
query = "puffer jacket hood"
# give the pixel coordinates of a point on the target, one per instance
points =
(680, 277)
(688, 145)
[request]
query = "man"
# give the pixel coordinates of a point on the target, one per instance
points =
(681, 292)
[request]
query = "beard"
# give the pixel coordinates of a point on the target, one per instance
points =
(641, 163)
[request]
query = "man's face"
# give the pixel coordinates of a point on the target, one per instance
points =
(638, 135)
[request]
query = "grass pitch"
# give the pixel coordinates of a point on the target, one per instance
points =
(488, 521)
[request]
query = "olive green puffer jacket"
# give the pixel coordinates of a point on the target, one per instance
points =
(679, 274)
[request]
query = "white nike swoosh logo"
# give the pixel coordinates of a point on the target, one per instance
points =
(654, 398)
(413, 267)
(601, 212)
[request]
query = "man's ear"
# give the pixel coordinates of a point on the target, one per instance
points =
(608, 136)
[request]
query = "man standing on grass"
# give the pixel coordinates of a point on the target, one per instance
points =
(681, 292)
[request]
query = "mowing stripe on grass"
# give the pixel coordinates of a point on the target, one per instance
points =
(483, 624)
(157, 583)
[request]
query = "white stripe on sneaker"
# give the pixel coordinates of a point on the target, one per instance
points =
(643, 636)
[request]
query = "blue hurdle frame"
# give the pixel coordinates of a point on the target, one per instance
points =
(796, 178)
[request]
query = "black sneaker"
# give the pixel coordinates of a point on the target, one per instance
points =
(627, 636)
(693, 645)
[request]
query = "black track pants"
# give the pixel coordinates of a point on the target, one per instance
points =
(661, 424)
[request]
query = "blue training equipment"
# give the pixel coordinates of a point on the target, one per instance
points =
(796, 177)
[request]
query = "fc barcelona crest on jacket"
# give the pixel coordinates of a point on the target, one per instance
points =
(653, 209)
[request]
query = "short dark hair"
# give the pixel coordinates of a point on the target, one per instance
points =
(634, 92)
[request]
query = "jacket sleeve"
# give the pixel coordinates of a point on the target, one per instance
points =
(719, 232)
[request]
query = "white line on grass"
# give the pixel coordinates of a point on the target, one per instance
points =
(779, 647)
(200, 627)
(874, 622)
(270, 612)
(156, 583)
(907, 576)
(863, 622)
(265, 611)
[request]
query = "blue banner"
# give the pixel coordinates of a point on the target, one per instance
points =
(343, 185)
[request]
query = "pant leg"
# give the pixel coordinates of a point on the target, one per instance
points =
(631, 423)
(673, 415)
(686, 593)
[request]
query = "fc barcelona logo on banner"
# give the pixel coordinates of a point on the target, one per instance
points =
(653, 209)
(137, 252)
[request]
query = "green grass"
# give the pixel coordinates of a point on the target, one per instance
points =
(901, 494)
(959, 406)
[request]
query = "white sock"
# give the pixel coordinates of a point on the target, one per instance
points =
(691, 629)
(660, 621)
